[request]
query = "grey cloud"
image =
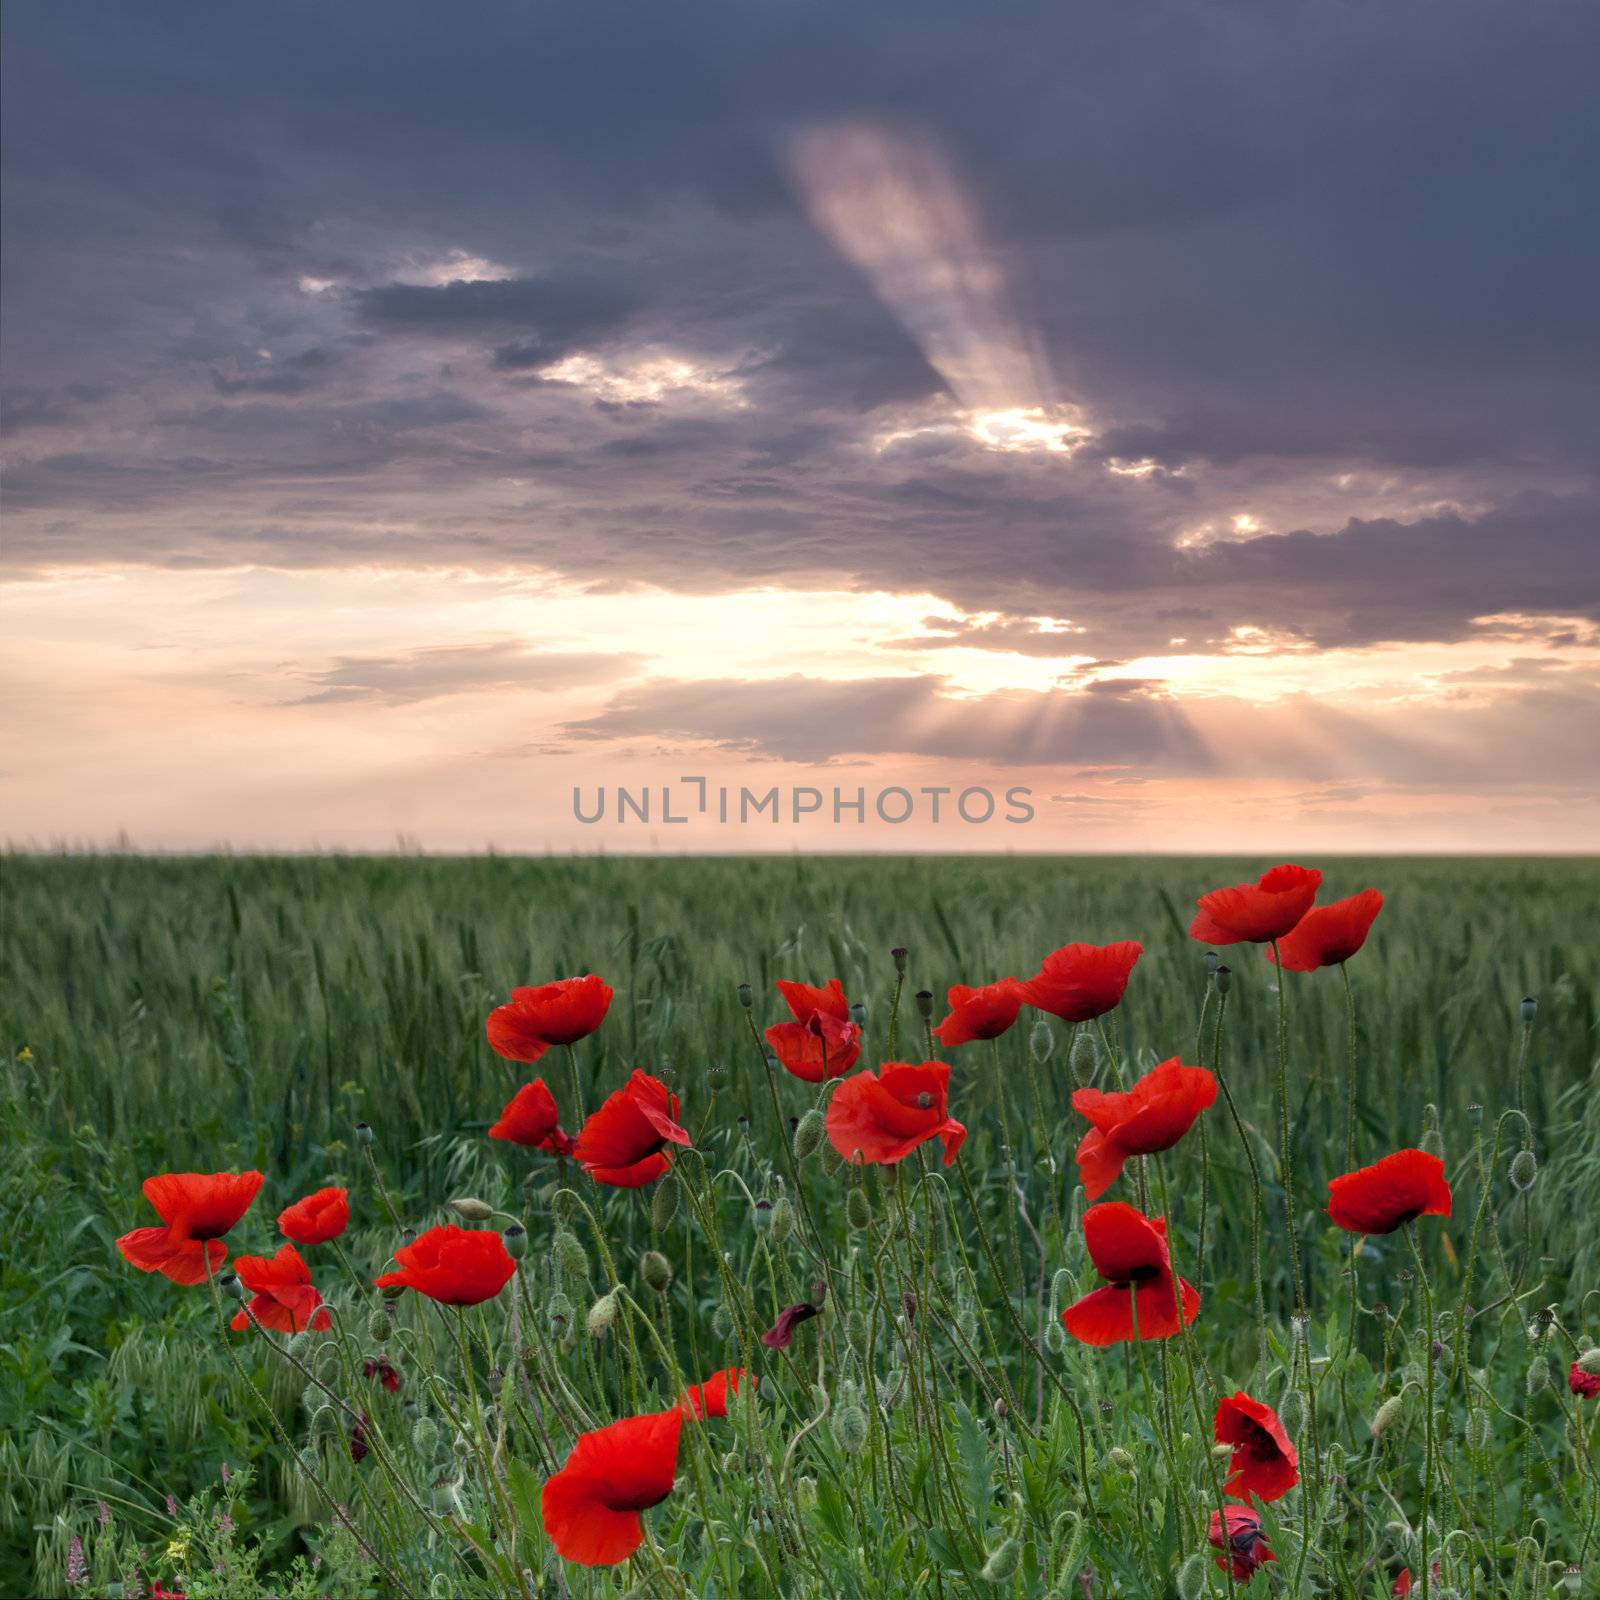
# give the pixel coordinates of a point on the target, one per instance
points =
(427, 674)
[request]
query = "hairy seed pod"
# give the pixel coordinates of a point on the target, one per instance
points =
(602, 1315)
(1084, 1056)
(1589, 1362)
(569, 1255)
(722, 1322)
(1120, 1459)
(380, 1325)
(1538, 1376)
(782, 1219)
(850, 1428)
(470, 1209)
(558, 1311)
(656, 1271)
(831, 1160)
(1524, 1169)
(1385, 1417)
(1003, 1562)
(857, 1210)
(424, 1435)
(664, 1202)
(1055, 1336)
(809, 1133)
(1292, 1413)
(1432, 1141)
(1193, 1578)
(1041, 1041)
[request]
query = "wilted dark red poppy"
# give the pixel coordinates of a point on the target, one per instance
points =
(1327, 935)
(624, 1142)
(1390, 1193)
(531, 1120)
(1256, 913)
(562, 1012)
(1247, 1546)
(983, 1013)
(359, 1444)
(1129, 1251)
(316, 1219)
(880, 1118)
(1586, 1385)
(198, 1208)
(710, 1399)
(1264, 1462)
(284, 1299)
(781, 1333)
(1080, 982)
(1153, 1115)
(380, 1368)
(591, 1506)
(822, 1041)
(455, 1266)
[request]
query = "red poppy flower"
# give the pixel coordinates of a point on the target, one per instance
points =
(1247, 1544)
(822, 1041)
(316, 1219)
(197, 1208)
(455, 1266)
(1153, 1115)
(1390, 1193)
(284, 1299)
(781, 1334)
(1264, 1462)
(380, 1368)
(531, 1120)
(1080, 982)
(1402, 1582)
(881, 1118)
(562, 1012)
(1327, 935)
(1586, 1385)
(1129, 1251)
(710, 1399)
(624, 1142)
(591, 1506)
(158, 1593)
(1256, 913)
(983, 1013)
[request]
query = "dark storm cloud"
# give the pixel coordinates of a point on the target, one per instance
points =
(1265, 248)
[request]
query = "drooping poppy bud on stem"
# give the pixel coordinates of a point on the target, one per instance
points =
(470, 1209)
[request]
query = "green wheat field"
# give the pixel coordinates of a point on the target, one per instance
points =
(931, 1431)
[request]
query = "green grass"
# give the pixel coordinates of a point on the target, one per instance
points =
(220, 1012)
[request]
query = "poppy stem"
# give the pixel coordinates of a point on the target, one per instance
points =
(1427, 1420)
(1352, 1066)
(577, 1086)
(1285, 1141)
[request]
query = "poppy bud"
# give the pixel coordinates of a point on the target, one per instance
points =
(722, 1322)
(856, 1209)
(664, 1204)
(602, 1314)
(1292, 1412)
(424, 1435)
(1193, 1579)
(1538, 1376)
(1041, 1041)
(1385, 1417)
(1524, 1169)
(746, 998)
(1529, 1008)
(805, 1493)
(569, 1255)
(858, 1013)
(1224, 1452)
(894, 1383)
(819, 1293)
(1055, 1336)
(1119, 1458)
(1223, 978)
(761, 1215)
(850, 1428)
(516, 1239)
(363, 1133)
(392, 1292)
(899, 954)
(1003, 1562)
(380, 1325)
(925, 1004)
(559, 1311)
(782, 1219)
(471, 1210)
(1589, 1362)
(656, 1271)
(831, 1161)
(809, 1134)
(1432, 1141)
(1479, 1430)
(1083, 1060)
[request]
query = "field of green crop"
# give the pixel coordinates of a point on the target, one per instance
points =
(932, 1430)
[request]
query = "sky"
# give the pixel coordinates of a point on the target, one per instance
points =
(421, 427)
